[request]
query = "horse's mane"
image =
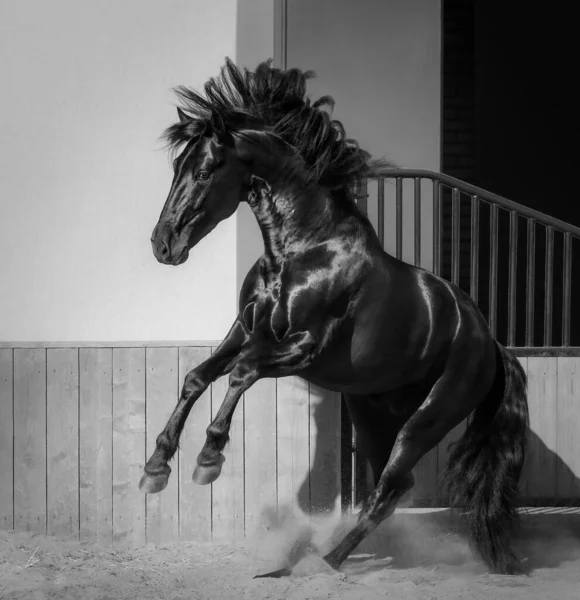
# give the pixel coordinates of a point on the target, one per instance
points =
(274, 101)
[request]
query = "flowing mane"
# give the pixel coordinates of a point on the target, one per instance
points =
(274, 101)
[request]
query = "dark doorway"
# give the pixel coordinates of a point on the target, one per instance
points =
(508, 126)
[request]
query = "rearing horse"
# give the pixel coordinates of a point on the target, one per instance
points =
(411, 353)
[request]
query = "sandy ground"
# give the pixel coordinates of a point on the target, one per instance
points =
(414, 556)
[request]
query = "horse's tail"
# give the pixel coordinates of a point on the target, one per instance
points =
(485, 465)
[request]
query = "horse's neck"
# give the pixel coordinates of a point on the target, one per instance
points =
(295, 214)
(291, 221)
(294, 221)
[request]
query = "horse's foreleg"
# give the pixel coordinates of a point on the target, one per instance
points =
(211, 459)
(295, 353)
(196, 382)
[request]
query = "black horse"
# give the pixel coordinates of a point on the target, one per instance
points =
(411, 353)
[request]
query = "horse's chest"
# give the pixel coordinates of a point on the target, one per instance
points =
(268, 314)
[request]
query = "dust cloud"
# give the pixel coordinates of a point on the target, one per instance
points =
(410, 538)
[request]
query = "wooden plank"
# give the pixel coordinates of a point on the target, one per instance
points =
(568, 440)
(293, 425)
(425, 474)
(228, 490)
(128, 446)
(518, 351)
(523, 483)
(539, 477)
(6, 441)
(30, 440)
(194, 500)
(62, 442)
(114, 344)
(161, 385)
(325, 448)
(96, 444)
(260, 455)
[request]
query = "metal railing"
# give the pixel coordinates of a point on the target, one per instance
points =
(469, 252)
(455, 239)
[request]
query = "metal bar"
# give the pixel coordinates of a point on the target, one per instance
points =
(280, 29)
(455, 236)
(567, 290)
(530, 282)
(548, 284)
(474, 270)
(362, 195)
(381, 211)
(417, 210)
(493, 270)
(354, 461)
(490, 197)
(512, 281)
(436, 229)
(399, 217)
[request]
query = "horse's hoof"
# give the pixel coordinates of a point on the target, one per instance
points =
(285, 572)
(152, 484)
(330, 561)
(516, 567)
(204, 474)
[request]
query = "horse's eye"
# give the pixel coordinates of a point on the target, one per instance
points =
(203, 175)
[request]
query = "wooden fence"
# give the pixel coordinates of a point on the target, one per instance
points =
(76, 426)
(552, 472)
(77, 423)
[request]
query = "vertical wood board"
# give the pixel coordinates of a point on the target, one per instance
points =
(325, 449)
(30, 440)
(161, 382)
(6, 440)
(128, 445)
(96, 444)
(261, 503)
(568, 424)
(293, 426)
(194, 500)
(62, 441)
(540, 470)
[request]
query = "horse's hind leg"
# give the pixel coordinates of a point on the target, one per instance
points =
(376, 432)
(450, 400)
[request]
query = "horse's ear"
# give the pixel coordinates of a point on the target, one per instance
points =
(182, 116)
(260, 186)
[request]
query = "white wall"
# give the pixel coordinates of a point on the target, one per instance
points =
(85, 95)
(255, 44)
(381, 61)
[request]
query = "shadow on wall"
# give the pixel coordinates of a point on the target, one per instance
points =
(549, 533)
(320, 491)
(438, 536)
(546, 480)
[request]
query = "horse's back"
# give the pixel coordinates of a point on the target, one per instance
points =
(405, 325)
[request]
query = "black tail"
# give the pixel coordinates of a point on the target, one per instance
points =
(485, 465)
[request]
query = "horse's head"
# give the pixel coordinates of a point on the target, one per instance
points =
(209, 182)
(247, 124)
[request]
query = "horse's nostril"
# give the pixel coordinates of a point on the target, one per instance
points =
(161, 242)
(164, 250)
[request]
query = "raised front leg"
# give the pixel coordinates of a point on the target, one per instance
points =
(255, 362)
(196, 382)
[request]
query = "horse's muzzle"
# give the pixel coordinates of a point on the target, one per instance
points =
(167, 247)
